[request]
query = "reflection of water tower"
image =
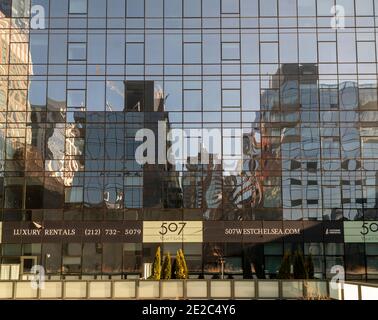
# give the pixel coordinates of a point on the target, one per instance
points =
(145, 102)
(142, 96)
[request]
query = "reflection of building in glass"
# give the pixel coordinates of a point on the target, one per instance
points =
(113, 178)
(321, 171)
(202, 185)
(73, 96)
(15, 136)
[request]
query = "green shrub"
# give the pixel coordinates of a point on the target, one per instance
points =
(167, 267)
(184, 265)
(156, 266)
(179, 267)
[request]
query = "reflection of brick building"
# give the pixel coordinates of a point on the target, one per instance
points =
(14, 140)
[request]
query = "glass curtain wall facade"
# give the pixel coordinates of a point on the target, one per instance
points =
(79, 78)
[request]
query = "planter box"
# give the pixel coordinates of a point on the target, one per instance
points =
(369, 293)
(292, 289)
(172, 289)
(148, 289)
(52, 290)
(75, 289)
(196, 289)
(100, 289)
(316, 289)
(6, 290)
(220, 289)
(24, 290)
(350, 292)
(244, 289)
(268, 289)
(124, 289)
(335, 293)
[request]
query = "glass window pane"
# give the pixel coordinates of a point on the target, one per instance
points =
(154, 49)
(346, 47)
(38, 48)
(211, 8)
(112, 258)
(6, 7)
(96, 48)
(211, 48)
(269, 52)
(173, 8)
(333, 249)
(273, 249)
(78, 6)
(135, 8)
(366, 51)
(192, 100)
(364, 7)
(348, 6)
(372, 249)
(116, 8)
(192, 8)
(306, 8)
(174, 91)
(134, 53)
(96, 95)
(250, 52)
(250, 95)
(230, 51)
(324, 7)
(115, 53)
(231, 98)
(20, 8)
(287, 8)
(37, 94)
(307, 48)
(97, 8)
(372, 267)
(327, 51)
(77, 51)
(115, 99)
(211, 95)
(192, 53)
(268, 8)
(249, 8)
(56, 94)
(75, 98)
(59, 8)
(288, 48)
(11, 249)
(230, 6)
(154, 8)
(92, 258)
(57, 48)
(173, 49)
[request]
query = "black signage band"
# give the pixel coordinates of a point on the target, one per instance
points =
(212, 231)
